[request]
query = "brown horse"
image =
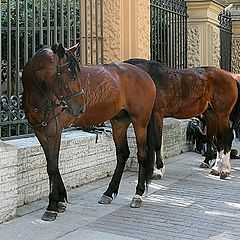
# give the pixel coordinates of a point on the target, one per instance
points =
(187, 93)
(235, 126)
(59, 93)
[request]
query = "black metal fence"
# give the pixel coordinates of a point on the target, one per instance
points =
(169, 32)
(27, 24)
(225, 25)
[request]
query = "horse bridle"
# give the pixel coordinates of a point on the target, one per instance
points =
(64, 98)
(52, 104)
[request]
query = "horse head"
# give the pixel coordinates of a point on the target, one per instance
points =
(58, 70)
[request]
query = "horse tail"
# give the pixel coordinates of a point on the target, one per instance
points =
(235, 114)
(150, 141)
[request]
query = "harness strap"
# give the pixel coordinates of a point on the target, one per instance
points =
(73, 95)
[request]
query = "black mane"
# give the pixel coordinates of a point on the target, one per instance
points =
(72, 61)
(73, 64)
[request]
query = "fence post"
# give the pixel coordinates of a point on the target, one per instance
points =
(203, 33)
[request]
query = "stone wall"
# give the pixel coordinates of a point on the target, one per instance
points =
(23, 174)
(193, 45)
(81, 161)
(236, 55)
(173, 142)
(8, 183)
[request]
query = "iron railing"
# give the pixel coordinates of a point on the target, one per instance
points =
(169, 32)
(225, 25)
(27, 24)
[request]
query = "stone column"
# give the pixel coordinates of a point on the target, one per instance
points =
(203, 33)
(126, 29)
(236, 46)
(111, 30)
(235, 10)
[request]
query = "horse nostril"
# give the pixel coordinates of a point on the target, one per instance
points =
(82, 111)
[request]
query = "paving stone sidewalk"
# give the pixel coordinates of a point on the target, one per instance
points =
(188, 203)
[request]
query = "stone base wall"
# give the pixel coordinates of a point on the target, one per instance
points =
(23, 173)
(82, 160)
(8, 183)
(173, 142)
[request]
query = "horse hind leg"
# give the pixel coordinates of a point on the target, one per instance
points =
(119, 127)
(159, 171)
(209, 155)
(224, 138)
(145, 138)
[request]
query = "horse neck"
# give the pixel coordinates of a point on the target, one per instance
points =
(163, 67)
(32, 94)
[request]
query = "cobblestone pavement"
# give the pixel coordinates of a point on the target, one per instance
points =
(188, 203)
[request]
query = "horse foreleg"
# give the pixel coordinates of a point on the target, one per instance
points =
(119, 129)
(50, 138)
(209, 155)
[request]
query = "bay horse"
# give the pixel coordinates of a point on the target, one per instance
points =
(59, 93)
(197, 135)
(235, 126)
(186, 93)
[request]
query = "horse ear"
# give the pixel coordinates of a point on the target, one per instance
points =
(54, 47)
(74, 48)
(60, 50)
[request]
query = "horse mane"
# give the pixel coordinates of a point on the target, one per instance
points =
(150, 63)
(73, 64)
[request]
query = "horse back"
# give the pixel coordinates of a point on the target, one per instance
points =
(113, 87)
(178, 90)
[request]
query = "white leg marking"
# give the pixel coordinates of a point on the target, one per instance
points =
(158, 173)
(218, 163)
(226, 166)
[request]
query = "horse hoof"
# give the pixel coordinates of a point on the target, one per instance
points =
(136, 201)
(214, 172)
(105, 199)
(204, 165)
(62, 207)
(156, 176)
(224, 175)
(49, 215)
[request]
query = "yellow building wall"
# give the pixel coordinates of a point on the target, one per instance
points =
(126, 29)
(127, 32)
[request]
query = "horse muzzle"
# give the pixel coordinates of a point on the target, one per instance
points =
(76, 112)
